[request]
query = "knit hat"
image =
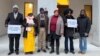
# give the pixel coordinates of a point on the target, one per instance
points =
(15, 6)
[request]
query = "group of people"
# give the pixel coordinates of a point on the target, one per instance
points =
(48, 30)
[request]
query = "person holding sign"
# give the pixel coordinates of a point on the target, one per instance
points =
(69, 29)
(84, 26)
(14, 22)
(30, 24)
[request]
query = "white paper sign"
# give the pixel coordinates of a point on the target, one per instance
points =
(72, 23)
(14, 29)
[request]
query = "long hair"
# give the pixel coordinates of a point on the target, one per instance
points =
(83, 10)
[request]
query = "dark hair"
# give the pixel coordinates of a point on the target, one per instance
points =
(71, 11)
(41, 9)
(83, 10)
(68, 10)
(30, 14)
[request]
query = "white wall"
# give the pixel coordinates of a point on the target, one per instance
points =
(87, 2)
(5, 8)
(96, 23)
(21, 5)
(76, 5)
(49, 4)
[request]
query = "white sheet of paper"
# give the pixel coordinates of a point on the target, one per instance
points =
(14, 29)
(72, 23)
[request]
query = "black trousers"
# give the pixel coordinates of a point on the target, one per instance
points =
(14, 41)
(71, 44)
(54, 38)
(47, 40)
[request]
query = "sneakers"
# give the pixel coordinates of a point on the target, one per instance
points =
(81, 52)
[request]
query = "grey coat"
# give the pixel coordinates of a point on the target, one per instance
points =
(60, 26)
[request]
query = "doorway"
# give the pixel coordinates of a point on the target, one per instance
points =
(88, 9)
(62, 8)
(62, 5)
(28, 8)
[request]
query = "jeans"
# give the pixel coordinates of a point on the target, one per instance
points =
(83, 44)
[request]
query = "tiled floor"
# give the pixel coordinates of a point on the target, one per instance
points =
(92, 50)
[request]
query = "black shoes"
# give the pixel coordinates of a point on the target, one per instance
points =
(66, 52)
(47, 47)
(38, 50)
(44, 50)
(52, 51)
(72, 52)
(17, 53)
(57, 53)
(28, 53)
(10, 53)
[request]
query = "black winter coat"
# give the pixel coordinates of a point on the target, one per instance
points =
(68, 32)
(84, 26)
(12, 21)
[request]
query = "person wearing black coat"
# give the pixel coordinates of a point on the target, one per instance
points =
(68, 32)
(14, 18)
(84, 26)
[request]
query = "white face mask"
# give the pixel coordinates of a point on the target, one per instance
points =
(30, 20)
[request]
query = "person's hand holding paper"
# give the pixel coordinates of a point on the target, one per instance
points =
(72, 23)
